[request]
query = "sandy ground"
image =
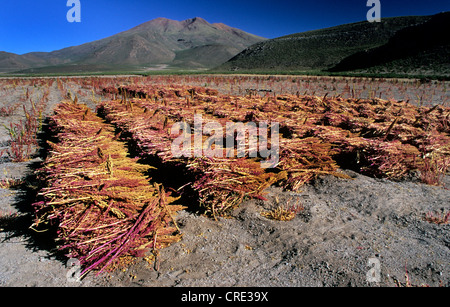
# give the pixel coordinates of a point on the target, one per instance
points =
(348, 229)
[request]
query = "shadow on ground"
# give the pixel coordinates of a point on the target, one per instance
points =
(26, 191)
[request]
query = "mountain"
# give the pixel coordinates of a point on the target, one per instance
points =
(320, 49)
(188, 44)
(422, 48)
(12, 62)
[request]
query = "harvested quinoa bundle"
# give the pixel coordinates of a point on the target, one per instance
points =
(99, 200)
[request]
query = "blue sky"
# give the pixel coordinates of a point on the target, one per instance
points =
(27, 25)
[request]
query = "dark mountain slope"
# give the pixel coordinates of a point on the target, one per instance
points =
(425, 46)
(319, 49)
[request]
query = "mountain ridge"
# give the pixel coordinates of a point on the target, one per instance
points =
(417, 46)
(196, 44)
(322, 50)
(155, 42)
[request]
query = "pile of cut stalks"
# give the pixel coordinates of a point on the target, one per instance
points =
(102, 204)
(378, 138)
(106, 209)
